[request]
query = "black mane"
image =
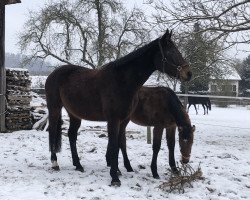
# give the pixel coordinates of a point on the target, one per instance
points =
(177, 109)
(135, 54)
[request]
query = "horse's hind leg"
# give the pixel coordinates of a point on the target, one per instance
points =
(75, 123)
(204, 108)
(157, 136)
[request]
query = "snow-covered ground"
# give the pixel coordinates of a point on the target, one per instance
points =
(221, 146)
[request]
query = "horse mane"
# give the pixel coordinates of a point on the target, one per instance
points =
(177, 109)
(133, 55)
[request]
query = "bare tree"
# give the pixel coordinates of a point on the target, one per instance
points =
(89, 32)
(227, 20)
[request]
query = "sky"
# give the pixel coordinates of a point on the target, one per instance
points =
(17, 14)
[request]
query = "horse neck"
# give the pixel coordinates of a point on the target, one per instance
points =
(178, 111)
(136, 67)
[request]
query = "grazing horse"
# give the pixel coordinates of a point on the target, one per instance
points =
(204, 101)
(106, 94)
(160, 107)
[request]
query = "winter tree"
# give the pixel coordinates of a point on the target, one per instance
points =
(89, 33)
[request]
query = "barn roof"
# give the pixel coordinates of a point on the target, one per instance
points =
(231, 74)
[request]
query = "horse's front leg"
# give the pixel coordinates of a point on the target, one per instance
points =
(72, 134)
(170, 135)
(113, 131)
(122, 146)
(196, 109)
(204, 108)
(157, 136)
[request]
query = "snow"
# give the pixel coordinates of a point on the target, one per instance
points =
(221, 146)
(232, 74)
(38, 81)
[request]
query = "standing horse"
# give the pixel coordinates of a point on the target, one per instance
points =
(160, 107)
(106, 94)
(204, 101)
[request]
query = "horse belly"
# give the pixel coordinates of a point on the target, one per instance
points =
(84, 107)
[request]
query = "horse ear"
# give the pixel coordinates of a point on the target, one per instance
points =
(170, 34)
(167, 35)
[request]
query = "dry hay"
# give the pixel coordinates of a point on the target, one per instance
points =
(186, 175)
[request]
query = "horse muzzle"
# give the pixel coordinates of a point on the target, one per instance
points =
(185, 159)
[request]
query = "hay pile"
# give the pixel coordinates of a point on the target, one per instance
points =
(185, 177)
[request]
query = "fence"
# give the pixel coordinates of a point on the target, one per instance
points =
(221, 101)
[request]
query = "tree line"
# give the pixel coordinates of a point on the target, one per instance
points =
(93, 32)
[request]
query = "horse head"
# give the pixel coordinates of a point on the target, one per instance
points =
(186, 137)
(170, 60)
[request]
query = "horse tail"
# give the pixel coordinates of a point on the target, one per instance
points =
(54, 104)
(55, 137)
(209, 103)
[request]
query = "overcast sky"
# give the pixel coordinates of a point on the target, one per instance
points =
(17, 14)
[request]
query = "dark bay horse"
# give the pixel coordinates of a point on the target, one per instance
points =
(160, 107)
(107, 94)
(204, 101)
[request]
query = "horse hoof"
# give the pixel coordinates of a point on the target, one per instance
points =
(129, 169)
(119, 173)
(116, 183)
(80, 169)
(156, 176)
(56, 168)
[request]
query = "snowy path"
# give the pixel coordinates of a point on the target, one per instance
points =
(222, 149)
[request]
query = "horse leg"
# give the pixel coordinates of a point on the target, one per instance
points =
(188, 107)
(170, 135)
(108, 159)
(204, 108)
(75, 123)
(157, 136)
(195, 109)
(55, 135)
(123, 145)
(113, 131)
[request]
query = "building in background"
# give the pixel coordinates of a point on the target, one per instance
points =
(227, 85)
